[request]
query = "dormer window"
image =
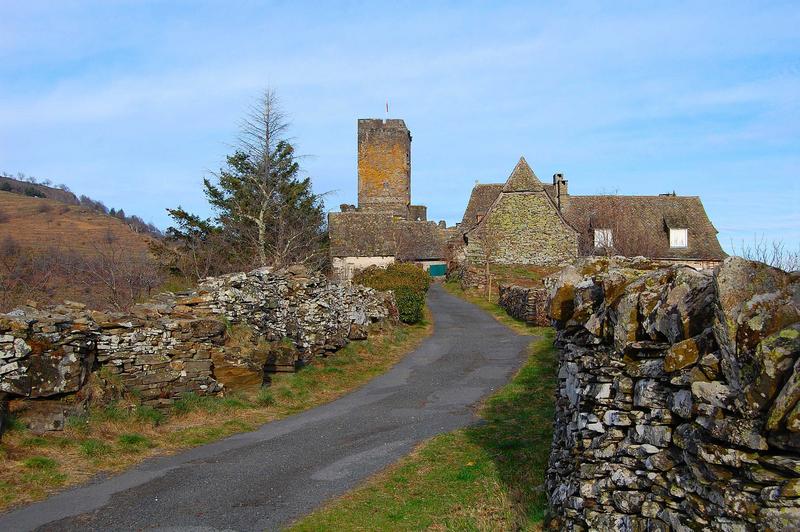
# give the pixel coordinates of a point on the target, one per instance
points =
(603, 238)
(678, 238)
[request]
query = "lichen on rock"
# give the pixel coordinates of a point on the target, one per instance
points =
(701, 428)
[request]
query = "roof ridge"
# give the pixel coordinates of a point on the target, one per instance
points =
(522, 178)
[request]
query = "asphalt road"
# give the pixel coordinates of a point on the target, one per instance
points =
(266, 479)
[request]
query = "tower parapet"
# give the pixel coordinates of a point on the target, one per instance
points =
(384, 166)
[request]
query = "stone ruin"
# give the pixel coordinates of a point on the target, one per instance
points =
(177, 343)
(678, 400)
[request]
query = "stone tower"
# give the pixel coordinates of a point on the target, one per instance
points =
(384, 166)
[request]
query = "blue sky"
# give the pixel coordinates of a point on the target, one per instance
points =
(134, 102)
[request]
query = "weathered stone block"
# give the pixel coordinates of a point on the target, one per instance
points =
(651, 393)
(731, 451)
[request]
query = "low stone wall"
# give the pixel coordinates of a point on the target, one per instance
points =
(677, 403)
(526, 304)
(176, 343)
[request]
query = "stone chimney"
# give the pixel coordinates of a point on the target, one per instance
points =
(562, 196)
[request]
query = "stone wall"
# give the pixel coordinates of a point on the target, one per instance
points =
(176, 343)
(523, 228)
(526, 304)
(677, 402)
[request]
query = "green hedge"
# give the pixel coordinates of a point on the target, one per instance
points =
(409, 283)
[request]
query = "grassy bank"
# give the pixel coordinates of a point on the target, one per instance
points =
(486, 477)
(491, 306)
(116, 437)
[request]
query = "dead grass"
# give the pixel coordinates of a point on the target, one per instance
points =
(116, 437)
(40, 225)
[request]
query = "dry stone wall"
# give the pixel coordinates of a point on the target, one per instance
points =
(678, 399)
(175, 343)
(526, 304)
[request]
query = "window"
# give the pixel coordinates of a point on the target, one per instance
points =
(678, 238)
(603, 238)
(478, 218)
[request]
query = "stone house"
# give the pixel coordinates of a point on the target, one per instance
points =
(525, 221)
(385, 227)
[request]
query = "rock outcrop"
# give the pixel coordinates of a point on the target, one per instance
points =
(678, 403)
(174, 343)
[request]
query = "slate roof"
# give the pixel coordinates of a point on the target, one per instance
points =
(361, 234)
(367, 234)
(522, 179)
(419, 241)
(641, 224)
(480, 200)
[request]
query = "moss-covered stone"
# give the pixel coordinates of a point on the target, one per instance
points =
(774, 358)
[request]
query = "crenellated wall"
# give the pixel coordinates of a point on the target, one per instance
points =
(678, 399)
(176, 343)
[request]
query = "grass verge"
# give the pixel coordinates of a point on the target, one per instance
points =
(120, 435)
(485, 477)
(492, 307)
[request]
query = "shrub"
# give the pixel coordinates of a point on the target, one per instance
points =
(409, 283)
(393, 276)
(33, 193)
(409, 304)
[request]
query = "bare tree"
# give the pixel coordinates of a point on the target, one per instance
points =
(262, 204)
(119, 276)
(774, 253)
(23, 274)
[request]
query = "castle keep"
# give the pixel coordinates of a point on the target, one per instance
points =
(522, 221)
(384, 166)
(384, 227)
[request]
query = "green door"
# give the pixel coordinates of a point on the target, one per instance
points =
(437, 270)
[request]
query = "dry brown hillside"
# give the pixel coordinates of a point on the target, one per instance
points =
(9, 184)
(41, 224)
(51, 251)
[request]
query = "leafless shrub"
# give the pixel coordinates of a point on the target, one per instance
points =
(119, 276)
(43, 208)
(774, 253)
(4, 217)
(200, 255)
(23, 275)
